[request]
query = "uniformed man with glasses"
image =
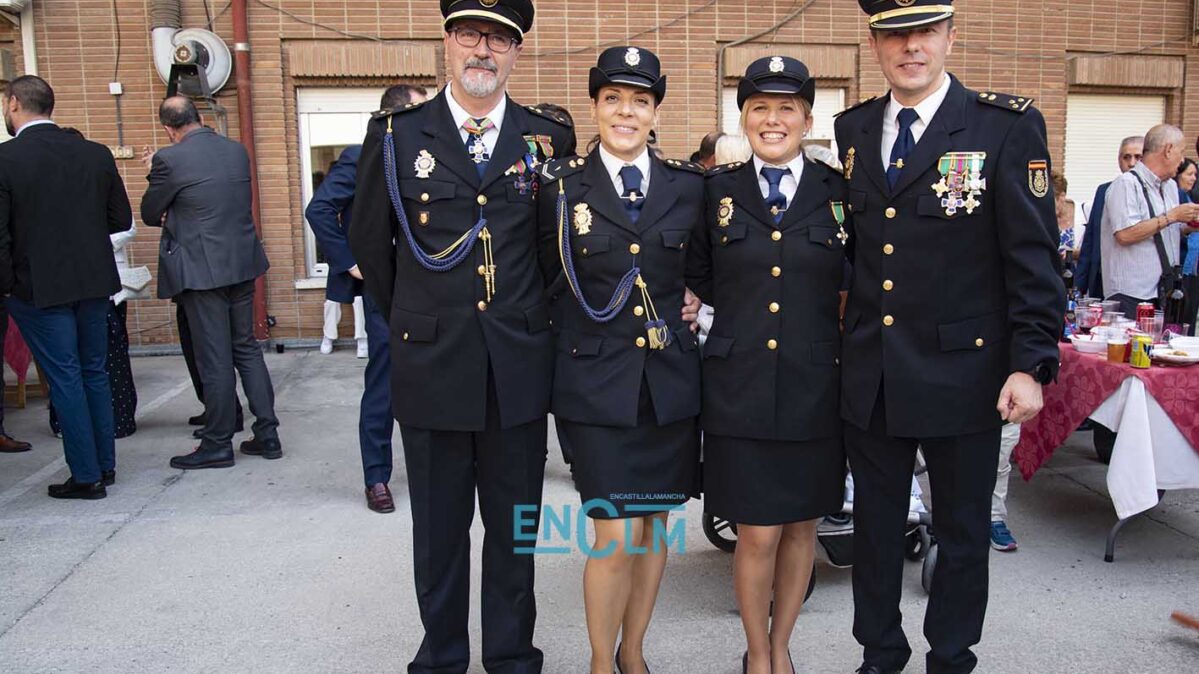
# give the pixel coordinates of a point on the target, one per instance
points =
(444, 233)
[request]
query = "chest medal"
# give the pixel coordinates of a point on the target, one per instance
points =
(961, 175)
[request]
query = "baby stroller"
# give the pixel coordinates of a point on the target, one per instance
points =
(835, 533)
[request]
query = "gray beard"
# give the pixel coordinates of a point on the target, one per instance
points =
(480, 86)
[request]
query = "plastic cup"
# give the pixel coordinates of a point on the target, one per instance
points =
(1116, 349)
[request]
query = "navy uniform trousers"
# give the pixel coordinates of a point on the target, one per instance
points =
(445, 468)
(961, 471)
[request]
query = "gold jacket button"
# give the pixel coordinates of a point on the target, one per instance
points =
(888, 249)
(776, 235)
(424, 196)
(640, 342)
(772, 344)
(836, 361)
(634, 248)
(405, 336)
(638, 311)
(482, 270)
(482, 305)
(888, 320)
(890, 212)
(482, 199)
(979, 342)
(888, 285)
(774, 307)
(776, 271)
(724, 239)
(584, 252)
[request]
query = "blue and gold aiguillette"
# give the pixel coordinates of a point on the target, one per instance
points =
(582, 219)
(961, 176)
(424, 164)
(725, 212)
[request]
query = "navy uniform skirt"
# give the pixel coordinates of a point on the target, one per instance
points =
(649, 465)
(772, 482)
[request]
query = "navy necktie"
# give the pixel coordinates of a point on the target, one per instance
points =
(632, 196)
(904, 143)
(475, 147)
(775, 200)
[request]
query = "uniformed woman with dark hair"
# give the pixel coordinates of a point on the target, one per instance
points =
(770, 262)
(615, 226)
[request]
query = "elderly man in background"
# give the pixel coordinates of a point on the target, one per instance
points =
(1141, 230)
(60, 198)
(1087, 278)
(209, 256)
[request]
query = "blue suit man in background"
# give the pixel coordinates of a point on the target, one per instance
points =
(329, 214)
(1089, 276)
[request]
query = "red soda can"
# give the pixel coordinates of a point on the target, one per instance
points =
(1145, 310)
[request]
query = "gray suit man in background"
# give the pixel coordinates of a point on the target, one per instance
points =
(208, 258)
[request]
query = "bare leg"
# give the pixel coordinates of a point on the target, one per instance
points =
(753, 580)
(792, 571)
(647, 578)
(607, 581)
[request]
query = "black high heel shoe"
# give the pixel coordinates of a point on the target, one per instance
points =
(745, 662)
(619, 669)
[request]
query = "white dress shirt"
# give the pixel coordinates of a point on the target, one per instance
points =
(613, 164)
(492, 136)
(924, 110)
(33, 123)
(790, 182)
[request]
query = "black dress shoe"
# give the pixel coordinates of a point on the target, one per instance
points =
(73, 489)
(875, 669)
(108, 477)
(745, 662)
(267, 449)
(203, 458)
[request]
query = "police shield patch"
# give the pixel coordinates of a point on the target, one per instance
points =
(1038, 178)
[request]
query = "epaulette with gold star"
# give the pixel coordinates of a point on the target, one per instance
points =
(856, 106)
(387, 112)
(721, 168)
(1006, 101)
(556, 169)
(685, 165)
(550, 115)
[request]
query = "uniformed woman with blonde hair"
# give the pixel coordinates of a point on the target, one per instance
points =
(770, 263)
(615, 227)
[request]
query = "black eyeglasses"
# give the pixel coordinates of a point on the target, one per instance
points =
(496, 42)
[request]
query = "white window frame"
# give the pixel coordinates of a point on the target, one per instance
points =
(353, 106)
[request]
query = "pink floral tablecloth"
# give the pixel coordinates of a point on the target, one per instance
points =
(1084, 382)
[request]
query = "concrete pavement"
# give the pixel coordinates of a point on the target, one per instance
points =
(277, 566)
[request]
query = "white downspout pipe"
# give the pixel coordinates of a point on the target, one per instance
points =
(28, 44)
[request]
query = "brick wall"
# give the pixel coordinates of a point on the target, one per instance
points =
(1017, 46)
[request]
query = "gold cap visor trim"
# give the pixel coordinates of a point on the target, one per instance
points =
(486, 16)
(926, 14)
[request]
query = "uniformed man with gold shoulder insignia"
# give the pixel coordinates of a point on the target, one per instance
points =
(952, 322)
(444, 233)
